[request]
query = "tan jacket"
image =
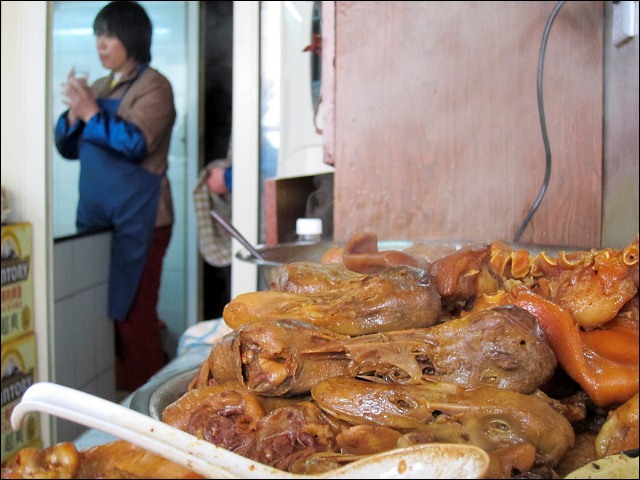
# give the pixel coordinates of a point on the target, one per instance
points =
(148, 104)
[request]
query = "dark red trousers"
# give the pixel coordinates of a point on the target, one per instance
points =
(139, 347)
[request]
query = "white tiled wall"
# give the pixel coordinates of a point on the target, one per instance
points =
(84, 336)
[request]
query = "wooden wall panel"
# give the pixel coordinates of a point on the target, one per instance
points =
(437, 133)
(621, 192)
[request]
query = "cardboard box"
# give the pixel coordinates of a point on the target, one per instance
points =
(19, 372)
(17, 281)
(9, 460)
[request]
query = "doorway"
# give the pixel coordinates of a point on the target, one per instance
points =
(174, 52)
(216, 37)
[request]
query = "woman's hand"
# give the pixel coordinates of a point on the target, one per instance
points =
(216, 182)
(78, 97)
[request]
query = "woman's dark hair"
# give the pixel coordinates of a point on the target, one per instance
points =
(129, 22)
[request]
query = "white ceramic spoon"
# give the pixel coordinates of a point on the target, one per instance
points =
(420, 461)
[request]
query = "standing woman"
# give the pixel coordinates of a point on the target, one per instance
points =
(120, 129)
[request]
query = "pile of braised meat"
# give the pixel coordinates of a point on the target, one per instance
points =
(531, 357)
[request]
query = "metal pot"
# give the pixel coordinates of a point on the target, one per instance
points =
(277, 255)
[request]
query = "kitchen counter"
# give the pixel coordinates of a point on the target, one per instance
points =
(66, 234)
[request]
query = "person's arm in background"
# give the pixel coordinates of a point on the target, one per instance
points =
(78, 97)
(148, 122)
(66, 137)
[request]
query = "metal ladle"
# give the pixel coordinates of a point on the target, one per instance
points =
(433, 460)
(237, 235)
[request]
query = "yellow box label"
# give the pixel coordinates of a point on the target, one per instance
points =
(19, 372)
(17, 281)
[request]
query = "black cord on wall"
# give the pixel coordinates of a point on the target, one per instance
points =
(543, 124)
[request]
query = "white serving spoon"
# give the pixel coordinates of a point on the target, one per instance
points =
(420, 461)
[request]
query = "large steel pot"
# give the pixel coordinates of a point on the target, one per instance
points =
(277, 255)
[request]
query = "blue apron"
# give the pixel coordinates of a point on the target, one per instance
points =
(123, 196)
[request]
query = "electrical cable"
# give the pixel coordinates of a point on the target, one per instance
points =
(543, 125)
